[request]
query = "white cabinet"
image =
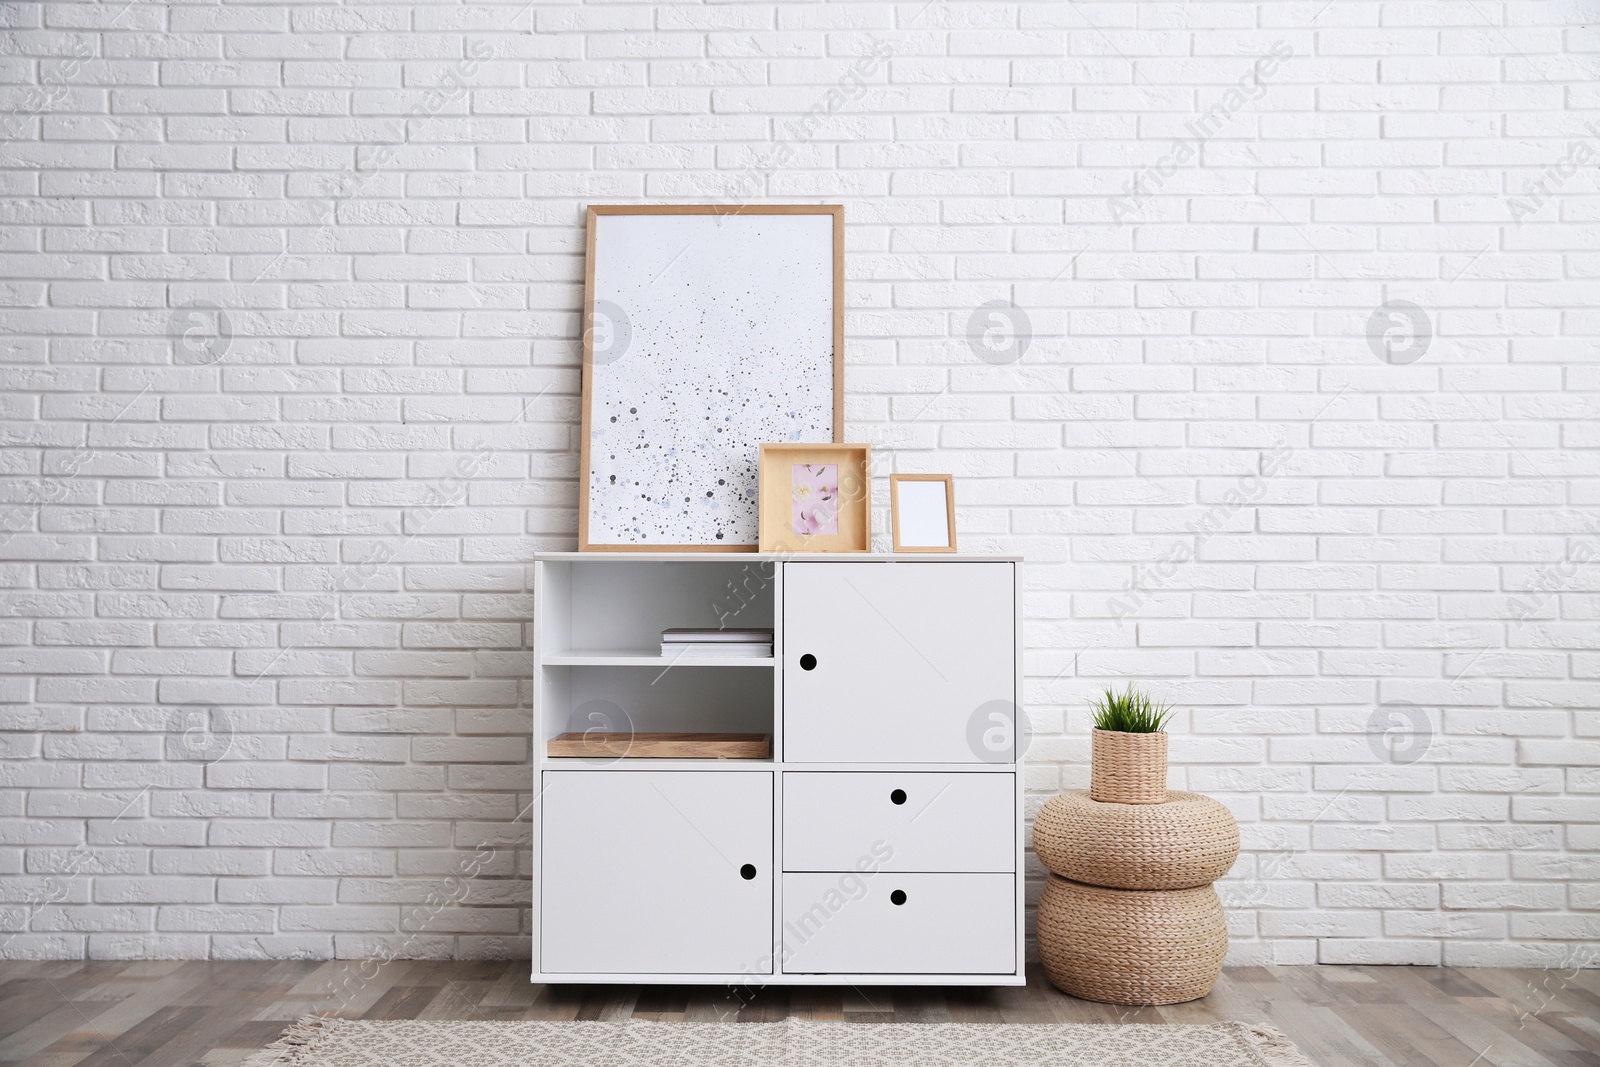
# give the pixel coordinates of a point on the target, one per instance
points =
(902, 663)
(880, 843)
(659, 871)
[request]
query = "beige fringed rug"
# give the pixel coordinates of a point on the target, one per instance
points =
(796, 1042)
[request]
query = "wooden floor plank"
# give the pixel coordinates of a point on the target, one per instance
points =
(140, 1042)
(61, 1017)
(213, 1014)
(1461, 1013)
(662, 1003)
(509, 990)
(1580, 1030)
(1314, 1027)
(817, 1003)
(187, 1044)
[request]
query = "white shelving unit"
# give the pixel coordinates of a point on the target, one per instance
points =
(881, 842)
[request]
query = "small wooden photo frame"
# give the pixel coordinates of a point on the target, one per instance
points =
(815, 498)
(923, 509)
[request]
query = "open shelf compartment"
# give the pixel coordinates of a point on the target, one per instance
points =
(657, 706)
(607, 612)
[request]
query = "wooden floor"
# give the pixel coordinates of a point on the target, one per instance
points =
(170, 1014)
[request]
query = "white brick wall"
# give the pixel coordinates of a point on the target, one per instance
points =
(1228, 488)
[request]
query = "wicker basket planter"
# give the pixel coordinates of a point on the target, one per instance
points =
(1120, 946)
(1128, 768)
(1189, 841)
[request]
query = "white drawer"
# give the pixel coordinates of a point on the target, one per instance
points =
(893, 821)
(943, 924)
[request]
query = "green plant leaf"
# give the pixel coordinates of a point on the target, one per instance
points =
(1129, 712)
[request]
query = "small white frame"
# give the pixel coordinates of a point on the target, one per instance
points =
(923, 508)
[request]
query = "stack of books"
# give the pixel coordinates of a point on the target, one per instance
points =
(710, 641)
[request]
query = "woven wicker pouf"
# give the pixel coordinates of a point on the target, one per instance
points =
(1189, 841)
(1128, 915)
(1160, 946)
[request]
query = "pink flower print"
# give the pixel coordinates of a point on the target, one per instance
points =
(815, 489)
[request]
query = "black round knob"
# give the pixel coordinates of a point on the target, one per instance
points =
(748, 871)
(898, 897)
(808, 662)
(898, 796)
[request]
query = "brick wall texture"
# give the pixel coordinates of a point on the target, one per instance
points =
(1264, 330)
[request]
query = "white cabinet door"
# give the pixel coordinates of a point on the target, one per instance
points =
(899, 662)
(656, 872)
(899, 924)
(894, 821)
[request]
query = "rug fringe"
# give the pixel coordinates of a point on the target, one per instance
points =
(296, 1039)
(1273, 1046)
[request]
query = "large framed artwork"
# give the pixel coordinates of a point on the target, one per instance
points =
(709, 330)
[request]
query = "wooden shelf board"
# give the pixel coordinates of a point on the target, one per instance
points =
(661, 746)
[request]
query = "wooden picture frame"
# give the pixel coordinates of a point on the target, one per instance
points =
(914, 535)
(786, 507)
(716, 476)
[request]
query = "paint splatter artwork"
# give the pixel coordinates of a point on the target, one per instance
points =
(718, 337)
(814, 494)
